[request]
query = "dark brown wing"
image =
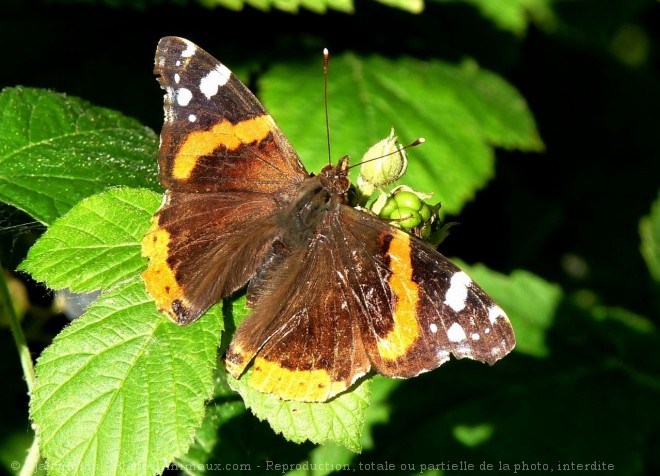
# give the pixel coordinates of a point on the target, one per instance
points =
(304, 329)
(363, 295)
(223, 160)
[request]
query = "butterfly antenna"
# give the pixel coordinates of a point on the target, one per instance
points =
(326, 54)
(414, 143)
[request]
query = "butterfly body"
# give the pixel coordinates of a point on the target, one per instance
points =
(314, 199)
(335, 291)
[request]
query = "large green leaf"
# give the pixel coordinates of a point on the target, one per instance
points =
(462, 111)
(222, 433)
(122, 389)
(57, 149)
(96, 244)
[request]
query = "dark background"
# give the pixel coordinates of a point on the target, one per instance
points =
(569, 214)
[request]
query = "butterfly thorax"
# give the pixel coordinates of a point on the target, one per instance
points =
(314, 199)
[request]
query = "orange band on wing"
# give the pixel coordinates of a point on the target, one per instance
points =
(302, 385)
(159, 277)
(406, 330)
(225, 134)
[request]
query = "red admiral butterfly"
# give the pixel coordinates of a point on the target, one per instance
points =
(335, 292)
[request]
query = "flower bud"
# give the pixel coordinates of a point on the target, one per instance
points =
(384, 163)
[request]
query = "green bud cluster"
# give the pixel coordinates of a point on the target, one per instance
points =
(407, 209)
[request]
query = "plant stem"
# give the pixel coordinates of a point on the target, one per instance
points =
(17, 332)
(33, 457)
(31, 460)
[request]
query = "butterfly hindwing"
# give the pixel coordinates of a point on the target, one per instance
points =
(298, 350)
(229, 233)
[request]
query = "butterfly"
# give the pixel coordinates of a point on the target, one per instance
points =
(335, 292)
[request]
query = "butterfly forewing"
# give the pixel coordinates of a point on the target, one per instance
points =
(223, 161)
(217, 136)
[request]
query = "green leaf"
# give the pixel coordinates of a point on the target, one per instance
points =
(122, 389)
(290, 6)
(412, 6)
(339, 420)
(57, 149)
(514, 15)
(530, 302)
(462, 111)
(96, 244)
(649, 229)
(214, 440)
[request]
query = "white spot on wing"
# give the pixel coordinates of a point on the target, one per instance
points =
(217, 78)
(190, 49)
(183, 96)
(458, 291)
(475, 336)
(177, 78)
(455, 333)
(433, 328)
(192, 118)
(494, 312)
